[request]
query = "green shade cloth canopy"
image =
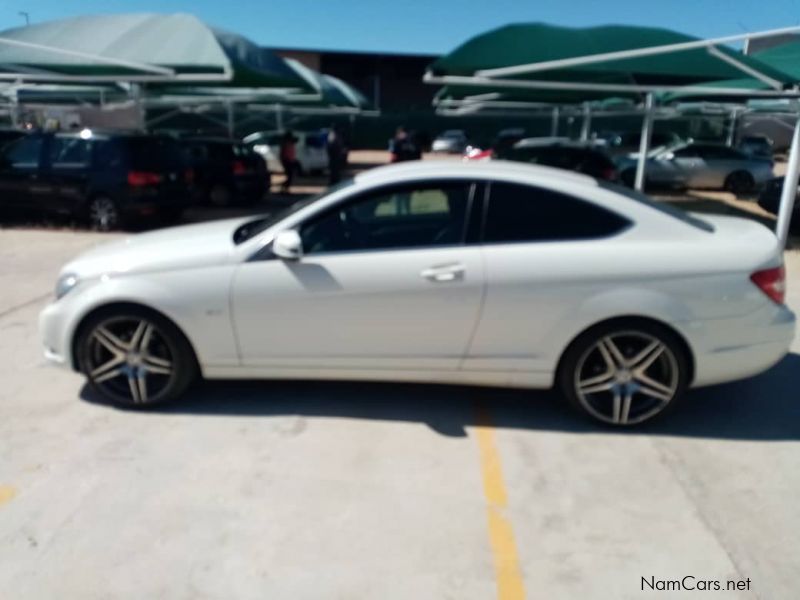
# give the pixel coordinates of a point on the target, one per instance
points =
(139, 47)
(332, 91)
(531, 43)
(322, 91)
(785, 58)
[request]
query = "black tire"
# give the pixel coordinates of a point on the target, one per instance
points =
(165, 348)
(584, 361)
(739, 182)
(628, 177)
(170, 216)
(220, 195)
(103, 214)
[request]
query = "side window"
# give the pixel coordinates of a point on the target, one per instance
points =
(687, 152)
(24, 153)
(69, 152)
(430, 214)
(521, 213)
(109, 154)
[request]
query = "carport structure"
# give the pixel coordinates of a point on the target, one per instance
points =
(174, 61)
(543, 64)
(323, 95)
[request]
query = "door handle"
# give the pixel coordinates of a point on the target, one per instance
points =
(444, 273)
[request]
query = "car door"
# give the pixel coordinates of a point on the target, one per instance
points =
(65, 173)
(315, 151)
(386, 282)
(542, 261)
(716, 163)
(689, 161)
(20, 171)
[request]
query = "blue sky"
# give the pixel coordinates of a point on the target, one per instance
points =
(423, 26)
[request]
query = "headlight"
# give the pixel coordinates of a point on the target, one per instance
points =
(65, 283)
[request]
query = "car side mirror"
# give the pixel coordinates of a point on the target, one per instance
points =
(287, 245)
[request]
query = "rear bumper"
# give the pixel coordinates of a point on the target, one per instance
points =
(730, 349)
(148, 202)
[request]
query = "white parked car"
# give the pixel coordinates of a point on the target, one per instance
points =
(487, 273)
(310, 148)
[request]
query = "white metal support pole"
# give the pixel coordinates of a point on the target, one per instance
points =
(586, 126)
(731, 138)
(644, 142)
(554, 122)
(789, 188)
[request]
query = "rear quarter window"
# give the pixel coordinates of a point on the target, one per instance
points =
(523, 213)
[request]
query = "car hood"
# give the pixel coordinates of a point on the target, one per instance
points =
(187, 246)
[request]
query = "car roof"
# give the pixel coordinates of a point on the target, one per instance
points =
(501, 169)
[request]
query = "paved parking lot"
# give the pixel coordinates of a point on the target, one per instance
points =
(311, 490)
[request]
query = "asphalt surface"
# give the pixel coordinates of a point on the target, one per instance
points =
(313, 490)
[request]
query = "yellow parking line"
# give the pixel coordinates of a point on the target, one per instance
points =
(6, 493)
(501, 535)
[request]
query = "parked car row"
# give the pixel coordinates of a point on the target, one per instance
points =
(680, 165)
(310, 149)
(109, 179)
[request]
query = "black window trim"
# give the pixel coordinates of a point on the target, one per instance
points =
(471, 184)
(487, 200)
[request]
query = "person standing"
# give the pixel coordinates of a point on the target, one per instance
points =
(336, 155)
(288, 157)
(402, 147)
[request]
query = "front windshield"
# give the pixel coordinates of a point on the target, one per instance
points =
(252, 228)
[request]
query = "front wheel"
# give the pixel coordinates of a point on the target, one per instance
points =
(133, 357)
(624, 373)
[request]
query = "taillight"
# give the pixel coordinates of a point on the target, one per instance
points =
(141, 178)
(239, 168)
(772, 282)
(188, 175)
(609, 174)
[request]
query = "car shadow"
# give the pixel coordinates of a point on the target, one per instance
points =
(763, 408)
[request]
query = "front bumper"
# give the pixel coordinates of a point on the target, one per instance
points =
(55, 335)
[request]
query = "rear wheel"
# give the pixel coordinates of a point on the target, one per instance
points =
(103, 214)
(134, 357)
(171, 216)
(739, 182)
(628, 177)
(220, 195)
(624, 373)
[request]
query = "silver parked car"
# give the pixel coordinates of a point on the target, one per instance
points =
(697, 165)
(452, 141)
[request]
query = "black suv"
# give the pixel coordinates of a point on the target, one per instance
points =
(226, 172)
(106, 179)
(563, 154)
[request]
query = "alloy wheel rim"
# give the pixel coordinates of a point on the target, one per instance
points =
(103, 214)
(129, 360)
(626, 377)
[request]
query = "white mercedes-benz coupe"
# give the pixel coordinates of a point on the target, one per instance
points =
(490, 274)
